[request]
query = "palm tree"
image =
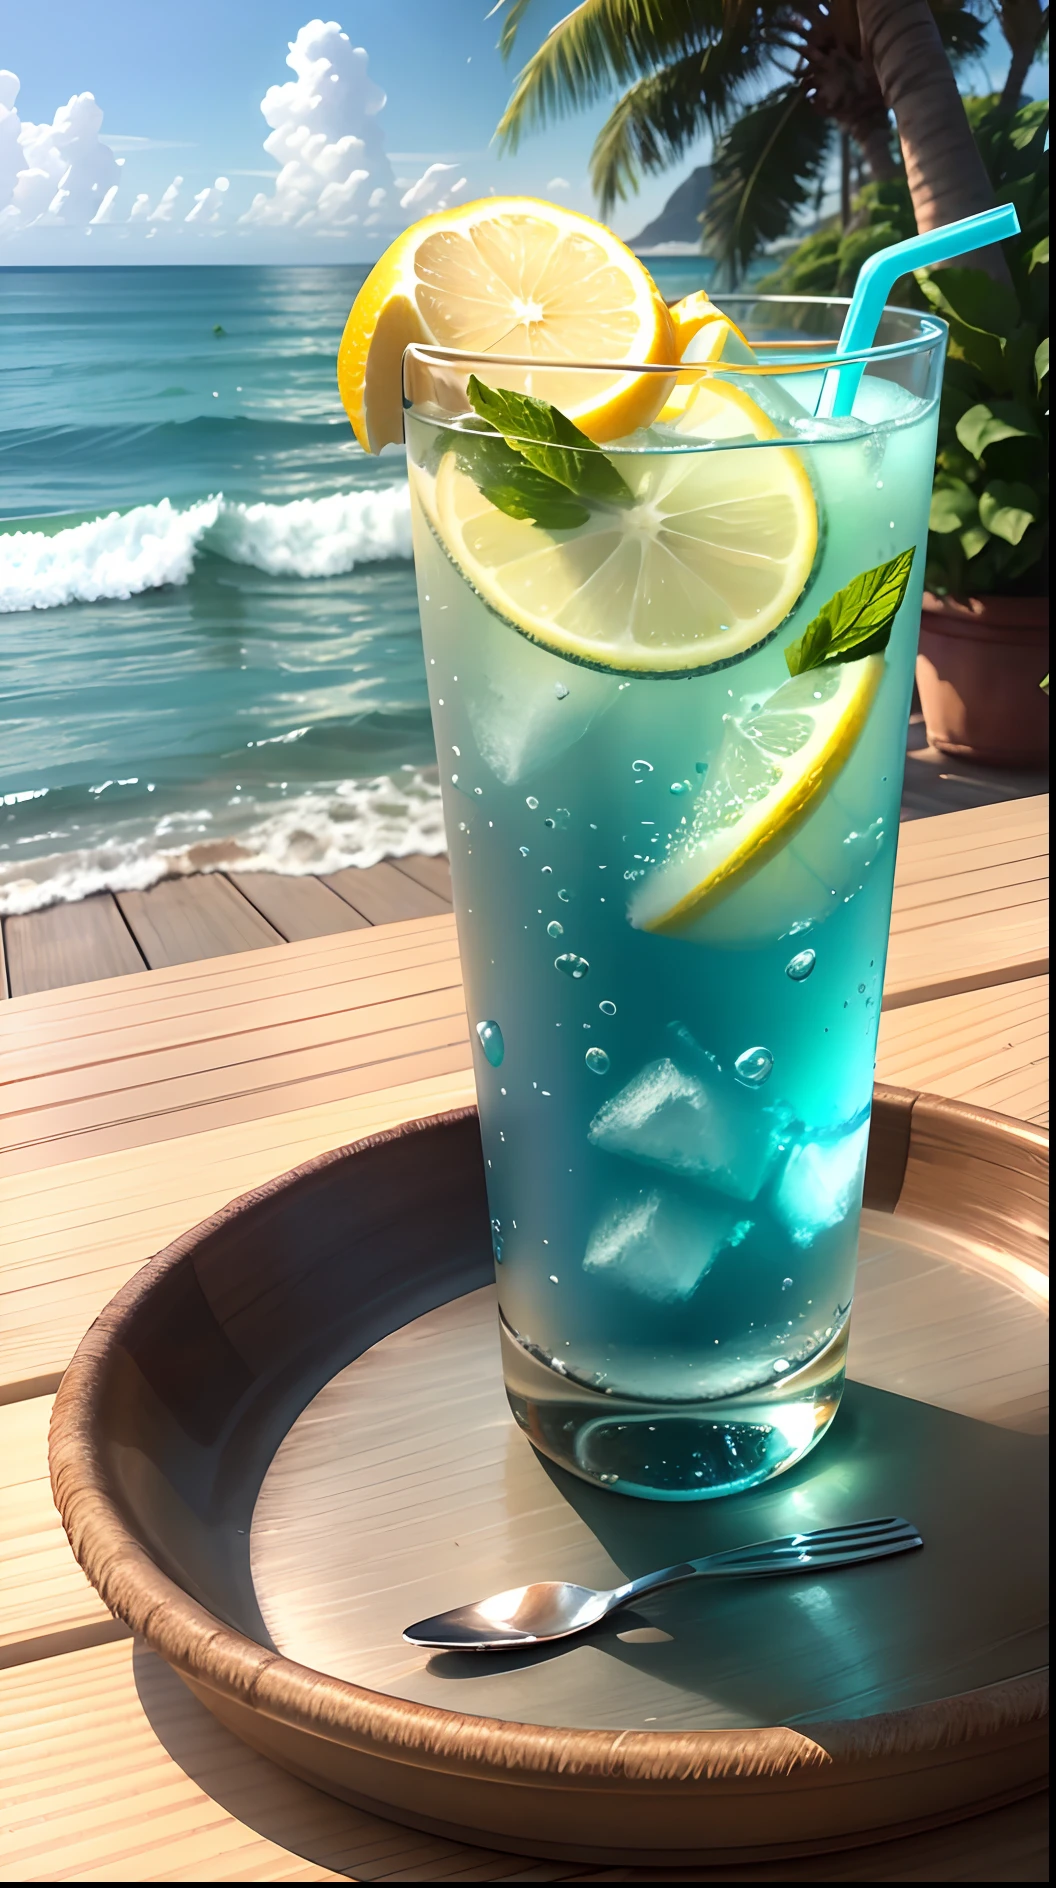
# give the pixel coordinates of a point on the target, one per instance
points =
(690, 66)
(1025, 25)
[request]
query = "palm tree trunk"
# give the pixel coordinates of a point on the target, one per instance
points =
(845, 182)
(875, 146)
(1022, 60)
(944, 171)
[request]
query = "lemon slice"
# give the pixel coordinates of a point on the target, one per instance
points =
(703, 334)
(772, 772)
(509, 275)
(705, 565)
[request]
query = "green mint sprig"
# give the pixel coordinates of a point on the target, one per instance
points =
(535, 463)
(857, 621)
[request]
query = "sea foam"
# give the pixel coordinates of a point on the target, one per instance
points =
(124, 553)
(356, 822)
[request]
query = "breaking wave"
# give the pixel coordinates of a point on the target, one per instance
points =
(356, 822)
(127, 552)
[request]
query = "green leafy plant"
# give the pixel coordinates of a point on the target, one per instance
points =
(989, 525)
(857, 621)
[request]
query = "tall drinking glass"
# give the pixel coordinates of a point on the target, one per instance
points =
(670, 717)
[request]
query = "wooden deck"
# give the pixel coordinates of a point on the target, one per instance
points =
(137, 1104)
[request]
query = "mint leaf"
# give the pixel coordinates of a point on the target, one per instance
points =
(551, 442)
(512, 485)
(857, 621)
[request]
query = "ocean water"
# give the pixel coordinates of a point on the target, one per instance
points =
(210, 650)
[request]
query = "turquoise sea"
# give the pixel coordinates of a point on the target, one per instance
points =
(209, 642)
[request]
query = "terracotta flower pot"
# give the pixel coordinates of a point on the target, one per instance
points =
(978, 673)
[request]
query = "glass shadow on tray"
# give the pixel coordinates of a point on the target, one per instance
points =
(879, 1637)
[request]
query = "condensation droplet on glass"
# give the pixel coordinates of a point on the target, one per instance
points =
(565, 897)
(491, 1042)
(571, 966)
(560, 691)
(680, 786)
(547, 870)
(780, 1364)
(554, 929)
(786, 1284)
(861, 989)
(597, 1061)
(753, 1066)
(523, 850)
(701, 767)
(531, 802)
(800, 966)
(640, 768)
(607, 1008)
(458, 751)
(478, 789)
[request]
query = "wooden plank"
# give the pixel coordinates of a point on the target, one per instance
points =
(185, 919)
(216, 1011)
(971, 902)
(434, 873)
(131, 1000)
(68, 944)
(71, 1235)
(298, 908)
(112, 1771)
(384, 894)
(46, 1604)
(172, 1796)
(986, 1046)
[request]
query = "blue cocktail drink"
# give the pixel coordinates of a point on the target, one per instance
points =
(671, 731)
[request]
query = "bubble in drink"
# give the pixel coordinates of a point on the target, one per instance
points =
(597, 1061)
(800, 966)
(753, 1066)
(560, 691)
(532, 802)
(554, 929)
(565, 896)
(571, 966)
(680, 786)
(607, 1008)
(491, 1042)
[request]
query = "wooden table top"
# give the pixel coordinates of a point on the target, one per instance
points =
(136, 1105)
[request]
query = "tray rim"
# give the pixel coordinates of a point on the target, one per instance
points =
(217, 1659)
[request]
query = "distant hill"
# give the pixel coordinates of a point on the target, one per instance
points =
(678, 222)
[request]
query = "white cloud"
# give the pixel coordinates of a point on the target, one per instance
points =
(58, 172)
(209, 204)
(432, 190)
(559, 183)
(164, 210)
(326, 137)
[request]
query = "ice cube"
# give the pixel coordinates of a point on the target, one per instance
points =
(700, 1125)
(520, 720)
(821, 1183)
(660, 1244)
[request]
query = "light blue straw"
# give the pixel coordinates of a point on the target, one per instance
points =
(877, 279)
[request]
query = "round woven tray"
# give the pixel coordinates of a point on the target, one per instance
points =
(286, 1437)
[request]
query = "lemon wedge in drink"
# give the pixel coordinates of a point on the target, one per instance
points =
(703, 334)
(774, 769)
(510, 276)
(704, 564)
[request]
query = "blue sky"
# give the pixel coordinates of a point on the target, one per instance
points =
(186, 82)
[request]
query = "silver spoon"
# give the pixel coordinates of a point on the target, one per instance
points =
(556, 1609)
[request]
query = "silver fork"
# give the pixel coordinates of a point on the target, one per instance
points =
(557, 1609)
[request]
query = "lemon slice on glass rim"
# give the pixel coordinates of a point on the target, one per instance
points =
(773, 770)
(517, 277)
(705, 565)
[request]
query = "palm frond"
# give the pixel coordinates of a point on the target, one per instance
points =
(657, 120)
(762, 173)
(961, 31)
(599, 45)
